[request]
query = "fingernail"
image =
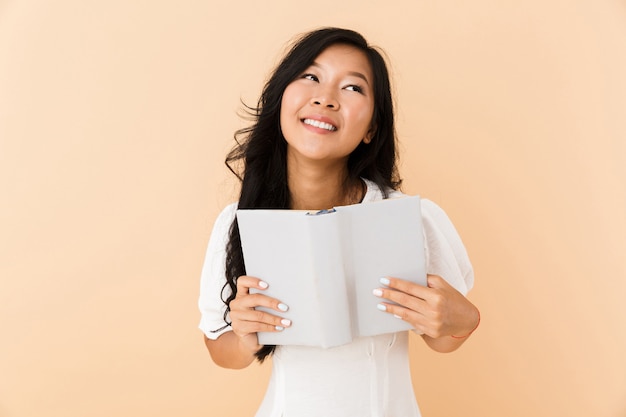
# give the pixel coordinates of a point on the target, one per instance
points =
(283, 307)
(396, 316)
(378, 292)
(381, 307)
(384, 281)
(286, 322)
(263, 284)
(279, 328)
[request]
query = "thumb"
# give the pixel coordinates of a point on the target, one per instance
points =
(436, 282)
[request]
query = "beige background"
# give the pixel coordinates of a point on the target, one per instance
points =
(114, 120)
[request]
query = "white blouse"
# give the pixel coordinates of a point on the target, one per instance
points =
(369, 377)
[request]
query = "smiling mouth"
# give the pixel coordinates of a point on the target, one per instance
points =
(321, 125)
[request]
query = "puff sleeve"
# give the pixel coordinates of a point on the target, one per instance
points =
(445, 253)
(213, 277)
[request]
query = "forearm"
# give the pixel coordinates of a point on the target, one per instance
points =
(227, 351)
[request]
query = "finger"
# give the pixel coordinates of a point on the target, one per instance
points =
(402, 298)
(405, 286)
(437, 282)
(245, 282)
(419, 321)
(251, 301)
(258, 315)
(249, 321)
(404, 305)
(244, 328)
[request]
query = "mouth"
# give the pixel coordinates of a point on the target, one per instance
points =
(320, 125)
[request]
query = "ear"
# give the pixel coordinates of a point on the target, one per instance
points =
(369, 135)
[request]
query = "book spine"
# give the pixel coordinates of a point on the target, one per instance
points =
(329, 280)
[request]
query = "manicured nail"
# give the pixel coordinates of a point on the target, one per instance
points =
(396, 316)
(279, 328)
(263, 284)
(384, 281)
(286, 322)
(378, 292)
(381, 307)
(283, 307)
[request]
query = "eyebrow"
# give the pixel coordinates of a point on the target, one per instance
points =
(352, 73)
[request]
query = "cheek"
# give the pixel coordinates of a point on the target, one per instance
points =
(288, 104)
(363, 118)
(291, 98)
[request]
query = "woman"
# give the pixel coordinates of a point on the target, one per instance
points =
(324, 136)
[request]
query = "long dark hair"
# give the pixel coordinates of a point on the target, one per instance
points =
(259, 158)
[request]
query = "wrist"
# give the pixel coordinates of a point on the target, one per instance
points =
(477, 321)
(248, 346)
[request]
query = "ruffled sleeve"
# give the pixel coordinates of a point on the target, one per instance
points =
(445, 253)
(213, 278)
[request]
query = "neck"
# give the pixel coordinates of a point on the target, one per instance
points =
(316, 188)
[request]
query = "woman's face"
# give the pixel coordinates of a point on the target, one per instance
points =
(327, 111)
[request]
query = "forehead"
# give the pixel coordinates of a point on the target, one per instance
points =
(345, 58)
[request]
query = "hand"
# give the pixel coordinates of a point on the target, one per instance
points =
(436, 310)
(246, 321)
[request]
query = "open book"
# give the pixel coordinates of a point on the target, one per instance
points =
(325, 265)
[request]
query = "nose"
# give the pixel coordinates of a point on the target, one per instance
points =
(325, 99)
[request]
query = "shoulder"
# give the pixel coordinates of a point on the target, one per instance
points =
(428, 208)
(227, 215)
(221, 228)
(432, 211)
(437, 221)
(225, 218)
(374, 193)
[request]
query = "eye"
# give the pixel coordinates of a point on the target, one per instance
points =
(355, 88)
(311, 77)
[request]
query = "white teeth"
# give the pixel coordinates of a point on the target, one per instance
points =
(319, 124)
